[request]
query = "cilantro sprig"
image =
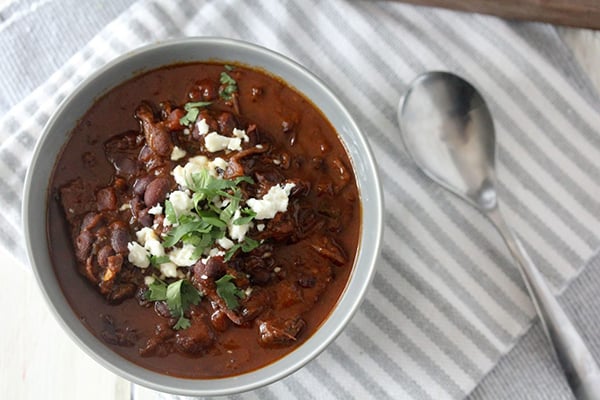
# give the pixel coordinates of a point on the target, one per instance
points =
(228, 291)
(228, 86)
(193, 109)
(208, 223)
(178, 295)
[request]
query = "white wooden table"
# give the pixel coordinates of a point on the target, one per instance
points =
(34, 349)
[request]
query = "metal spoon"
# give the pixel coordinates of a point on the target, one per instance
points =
(448, 131)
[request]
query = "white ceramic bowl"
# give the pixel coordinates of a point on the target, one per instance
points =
(74, 107)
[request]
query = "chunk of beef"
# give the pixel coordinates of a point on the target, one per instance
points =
(279, 331)
(197, 338)
(157, 136)
(77, 198)
(330, 249)
(158, 344)
(213, 268)
(106, 199)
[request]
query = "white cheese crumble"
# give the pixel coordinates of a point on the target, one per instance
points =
(217, 163)
(177, 153)
(183, 175)
(183, 257)
(154, 247)
(202, 127)
(145, 234)
(149, 280)
(138, 255)
(215, 142)
(276, 270)
(156, 210)
(237, 232)
(225, 243)
(260, 227)
(181, 202)
(214, 252)
(168, 269)
(125, 206)
(240, 133)
(274, 201)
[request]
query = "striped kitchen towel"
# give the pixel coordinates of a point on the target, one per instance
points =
(446, 302)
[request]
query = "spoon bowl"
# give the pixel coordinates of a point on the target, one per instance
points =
(447, 144)
(448, 131)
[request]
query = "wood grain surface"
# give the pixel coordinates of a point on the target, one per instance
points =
(577, 13)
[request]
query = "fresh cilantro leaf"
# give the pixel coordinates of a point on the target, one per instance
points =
(180, 295)
(193, 109)
(249, 244)
(244, 178)
(245, 220)
(178, 232)
(211, 218)
(154, 260)
(182, 323)
(229, 67)
(157, 291)
(234, 202)
(228, 291)
(190, 117)
(196, 104)
(229, 253)
(228, 86)
(170, 212)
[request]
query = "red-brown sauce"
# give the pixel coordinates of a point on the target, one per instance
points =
(291, 281)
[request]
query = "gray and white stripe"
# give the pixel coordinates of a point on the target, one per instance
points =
(446, 302)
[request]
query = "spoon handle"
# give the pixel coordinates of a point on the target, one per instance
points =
(580, 368)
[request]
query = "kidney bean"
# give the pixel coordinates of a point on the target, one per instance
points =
(83, 245)
(119, 237)
(157, 190)
(140, 184)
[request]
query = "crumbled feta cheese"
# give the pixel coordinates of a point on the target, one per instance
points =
(237, 232)
(240, 133)
(125, 206)
(260, 227)
(183, 257)
(204, 277)
(168, 269)
(215, 142)
(274, 201)
(156, 210)
(276, 161)
(214, 252)
(145, 234)
(225, 243)
(276, 270)
(248, 291)
(202, 127)
(154, 247)
(186, 131)
(259, 146)
(138, 255)
(149, 280)
(183, 175)
(181, 202)
(217, 163)
(177, 153)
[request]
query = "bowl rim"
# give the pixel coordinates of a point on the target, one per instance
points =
(253, 379)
